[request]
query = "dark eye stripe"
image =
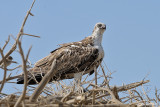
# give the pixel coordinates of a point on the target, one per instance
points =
(99, 25)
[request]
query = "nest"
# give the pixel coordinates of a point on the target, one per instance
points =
(89, 91)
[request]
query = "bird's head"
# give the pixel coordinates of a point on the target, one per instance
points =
(9, 58)
(99, 28)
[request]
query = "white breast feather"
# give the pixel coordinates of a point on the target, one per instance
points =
(97, 44)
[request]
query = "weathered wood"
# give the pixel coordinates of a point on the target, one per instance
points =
(43, 83)
(11, 104)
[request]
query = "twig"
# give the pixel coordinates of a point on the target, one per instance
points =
(22, 55)
(14, 68)
(156, 94)
(115, 92)
(28, 55)
(79, 98)
(31, 35)
(93, 100)
(111, 93)
(24, 66)
(146, 94)
(19, 34)
(43, 82)
(5, 70)
(122, 88)
(107, 67)
(6, 42)
(11, 78)
(132, 85)
(130, 96)
(104, 75)
(138, 95)
(66, 96)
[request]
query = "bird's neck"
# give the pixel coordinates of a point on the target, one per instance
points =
(97, 37)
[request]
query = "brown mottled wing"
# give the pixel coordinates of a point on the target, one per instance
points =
(72, 59)
(65, 44)
(76, 58)
(42, 61)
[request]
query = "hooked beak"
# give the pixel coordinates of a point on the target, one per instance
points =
(103, 26)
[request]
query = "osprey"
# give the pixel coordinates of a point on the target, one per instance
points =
(76, 57)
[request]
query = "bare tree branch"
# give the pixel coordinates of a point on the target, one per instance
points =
(25, 72)
(31, 35)
(19, 34)
(6, 42)
(5, 70)
(11, 78)
(24, 66)
(44, 81)
(121, 88)
(156, 94)
(19, 66)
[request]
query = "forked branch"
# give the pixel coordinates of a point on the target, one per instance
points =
(19, 34)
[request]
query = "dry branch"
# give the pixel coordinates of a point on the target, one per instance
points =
(24, 61)
(11, 78)
(16, 41)
(76, 100)
(127, 87)
(44, 81)
(19, 34)
(24, 66)
(5, 70)
(132, 85)
(157, 96)
(31, 35)
(6, 43)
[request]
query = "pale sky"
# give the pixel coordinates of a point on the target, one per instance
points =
(131, 41)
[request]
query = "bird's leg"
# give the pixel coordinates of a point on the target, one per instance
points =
(77, 82)
(95, 70)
